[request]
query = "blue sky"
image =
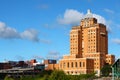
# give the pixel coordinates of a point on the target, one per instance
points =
(40, 28)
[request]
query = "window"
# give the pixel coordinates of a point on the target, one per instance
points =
(63, 65)
(75, 72)
(83, 64)
(72, 64)
(71, 72)
(75, 64)
(80, 64)
(68, 72)
(68, 64)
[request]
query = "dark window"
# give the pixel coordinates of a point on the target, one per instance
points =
(68, 64)
(80, 64)
(75, 64)
(83, 64)
(72, 64)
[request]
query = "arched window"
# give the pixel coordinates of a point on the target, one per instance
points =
(75, 64)
(72, 64)
(60, 65)
(83, 64)
(68, 72)
(68, 64)
(80, 64)
(64, 65)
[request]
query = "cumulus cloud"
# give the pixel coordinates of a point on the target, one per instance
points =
(99, 18)
(7, 32)
(117, 41)
(72, 16)
(30, 34)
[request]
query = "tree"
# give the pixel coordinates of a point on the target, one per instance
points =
(106, 70)
(58, 75)
(8, 78)
(73, 77)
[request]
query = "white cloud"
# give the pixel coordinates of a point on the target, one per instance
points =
(117, 41)
(99, 18)
(109, 23)
(11, 33)
(30, 34)
(72, 16)
(109, 11)
(7, 32)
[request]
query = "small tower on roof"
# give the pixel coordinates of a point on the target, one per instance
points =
(88, 11)
(88, 19)
(89, 14)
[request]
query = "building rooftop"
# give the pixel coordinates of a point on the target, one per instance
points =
(89, 14)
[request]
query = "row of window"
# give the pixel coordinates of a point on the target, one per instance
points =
(92, 33)
(72, 64)
(74, 51)
(74, 42)
(74, 48)
(91, 50)
(91, 43)
(76, 72)
(74, 45)
(108, 60)
(95, 55)
(74, 36)
(90, 36)
(91, 30)
(91, 46)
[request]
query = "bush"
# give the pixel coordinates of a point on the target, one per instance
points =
(8, 78)
(58, 75)
(106, 70)
(55, 75)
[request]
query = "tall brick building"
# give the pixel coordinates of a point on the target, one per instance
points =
(88, 48)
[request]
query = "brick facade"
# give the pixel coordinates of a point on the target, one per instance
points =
(88, 48)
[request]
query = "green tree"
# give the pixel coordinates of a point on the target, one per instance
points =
(58, 75)
(106, 70)
(73, 77)
(8, 78)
